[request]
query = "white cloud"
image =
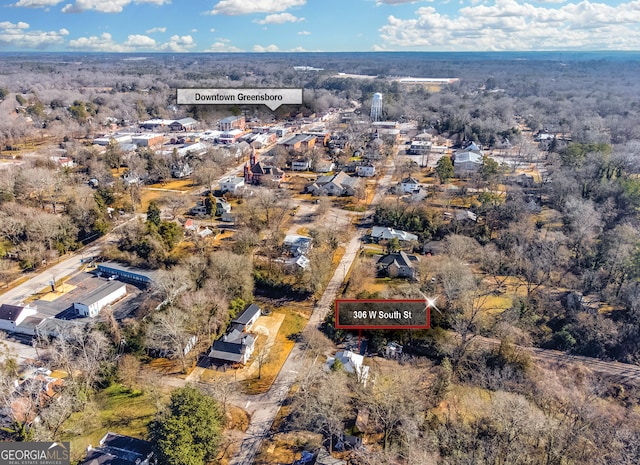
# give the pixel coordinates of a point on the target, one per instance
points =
(102, 6)
(139, 41)
(223, 46)
(105, 43)
(179, 44)
(37, 3)
(194, 30)
(243, 7)
(18, 34)
(304, 33)
(394, 2)
(212, 30)
(511, 25)
(297, 49)
(279, 18)
(269, 48)
(156, 29)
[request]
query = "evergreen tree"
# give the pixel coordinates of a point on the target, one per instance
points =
(189, 432)
(153, 214)
(444, 169)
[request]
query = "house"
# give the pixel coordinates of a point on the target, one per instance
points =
(324, 166)
(261, 173)
(338, 184)
(116, 449)
(204, 232)
(222, 207)
(181, 170)
(366, 171)
(419, 147)
(12, 315)
(231, 184)
(92, 303)
(466, 163)
(190, 226)
(392, 350)
(409, 185)
(228, 218)
(398, 265)
(184, 124)
(130, 178)
(297, 245)
(300, 261)
(232, 122)
(352, 363)
(385, 233)
(465, 215)
(524, 180)
(247, 318)
(235, 347)
(301, 164)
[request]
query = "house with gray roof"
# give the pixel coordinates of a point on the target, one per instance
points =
(468, 160)
(338, 184)
(385, 233)
(234, 347)
(247, 318)
(398, 265)
(12, 315)
(116, 449)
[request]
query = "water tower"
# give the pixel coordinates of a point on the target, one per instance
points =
(376, 107)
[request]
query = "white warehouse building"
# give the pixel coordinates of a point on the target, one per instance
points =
(105, 295)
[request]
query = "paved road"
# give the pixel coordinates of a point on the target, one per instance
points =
(264, 408)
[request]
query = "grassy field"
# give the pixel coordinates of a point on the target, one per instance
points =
(116, 409)
(183, 185)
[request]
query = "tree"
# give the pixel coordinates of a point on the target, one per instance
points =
(189, 431)
(444, 169)
(153, 214)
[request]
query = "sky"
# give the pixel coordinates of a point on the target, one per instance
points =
(317, 25)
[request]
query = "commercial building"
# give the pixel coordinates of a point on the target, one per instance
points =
(92, 303)
(126, 273)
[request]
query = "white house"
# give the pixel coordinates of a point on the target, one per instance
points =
(467, 163)
(12, 315)
(302, 164)
(324, 166)
(386, 233)
(352, 363)
(231, 184)
(105, 295)
(409, 185)
(365, 171)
